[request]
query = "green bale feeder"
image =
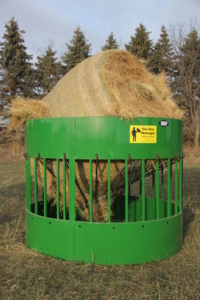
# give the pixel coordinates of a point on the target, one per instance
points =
(141, 229)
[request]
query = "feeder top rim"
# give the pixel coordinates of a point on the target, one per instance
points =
(108, 117)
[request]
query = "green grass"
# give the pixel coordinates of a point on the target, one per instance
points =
(25, 274)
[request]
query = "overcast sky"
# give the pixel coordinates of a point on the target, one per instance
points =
(56, 19)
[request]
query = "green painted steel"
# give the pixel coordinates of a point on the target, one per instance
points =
(109, 191)
(169, 185)
(157, 192)
(143, 191)
(140, 229)
(109, 135)
(176, 186)
(181, 185)
(91, 208)
(58, 191)
(163, 183)
(27, 184)
(64, 190)
(126, 190)
(101, 243)
(45, 188)
(35, 181)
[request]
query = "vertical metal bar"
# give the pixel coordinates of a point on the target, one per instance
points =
(153, 186)
(72, 189)
(143, 191)
(126, 190)
(64, 190)
(35, 182)
(181, 184)
(169, 187)
(45, 188)
(72, 210)
(27, 185)
(176, 187)
(91, 205)
(58, 189)
(163, 183)
(157, 191)
(108, 190)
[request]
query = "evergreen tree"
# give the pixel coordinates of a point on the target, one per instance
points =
(111, 43)
(77, 51)
(140, 45)
(161, 59)
(48, 71)
(14, 62)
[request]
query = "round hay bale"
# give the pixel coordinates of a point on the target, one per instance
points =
(112, 83)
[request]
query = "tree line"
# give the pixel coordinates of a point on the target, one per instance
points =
(176, 53)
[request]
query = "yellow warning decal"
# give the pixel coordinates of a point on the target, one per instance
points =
(143, 134)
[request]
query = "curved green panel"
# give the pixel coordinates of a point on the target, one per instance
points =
(109, 137)
(102, 243)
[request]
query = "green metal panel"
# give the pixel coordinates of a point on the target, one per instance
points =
(133, 243)
(49, 236)
(141, 229)
(106, 243)
(110, 138)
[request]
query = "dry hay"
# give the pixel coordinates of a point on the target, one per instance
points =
(82, 196)
(22, 110)
(110, 83)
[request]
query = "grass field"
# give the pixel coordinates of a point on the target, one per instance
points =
(24, 274)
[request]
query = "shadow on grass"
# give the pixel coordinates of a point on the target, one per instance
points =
(191, 200)
(188, 217)
(13, 202)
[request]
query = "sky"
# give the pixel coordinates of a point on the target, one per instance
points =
(45, 20)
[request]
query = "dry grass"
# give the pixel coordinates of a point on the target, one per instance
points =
(13, 149)
(24, 274)
(192, 154)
